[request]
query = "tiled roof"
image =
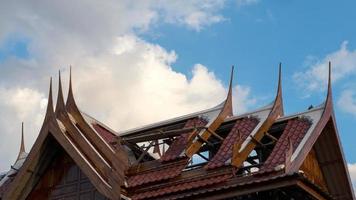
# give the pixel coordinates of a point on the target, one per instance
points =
(295, 130)
(161, 172)
(180, 187)
(242, 128)
(108, 136)
(179, 144)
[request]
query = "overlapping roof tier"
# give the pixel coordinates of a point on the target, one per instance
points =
(210, 154)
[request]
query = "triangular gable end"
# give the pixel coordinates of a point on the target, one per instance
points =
(63, 178)
(54, 132)
(322, 153)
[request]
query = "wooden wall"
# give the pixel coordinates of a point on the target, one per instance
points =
(63, 180)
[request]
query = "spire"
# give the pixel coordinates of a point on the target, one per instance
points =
(279, 89)
(22, 148)
(231, 79)
(70, 98)
(49, 111)
(280, 77)
(60, 101)
(329, 95)
(228, 101)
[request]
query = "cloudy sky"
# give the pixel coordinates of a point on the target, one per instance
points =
(136, 62)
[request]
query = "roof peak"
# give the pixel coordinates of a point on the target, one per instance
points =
(22, 144)
(49, 111)
(60, 106)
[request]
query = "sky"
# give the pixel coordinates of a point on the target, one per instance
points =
(137, 62)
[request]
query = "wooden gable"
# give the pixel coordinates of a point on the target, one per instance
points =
(63, 179)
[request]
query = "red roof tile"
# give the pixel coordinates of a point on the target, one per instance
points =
(162, 172)
(243, 127)
(182, 186)
(179, 144)
(108, 136)
(295, 130)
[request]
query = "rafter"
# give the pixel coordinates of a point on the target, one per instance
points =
(276, 111)
(213, 126)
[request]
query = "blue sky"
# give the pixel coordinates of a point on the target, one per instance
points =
(256, 38)
(167, 41)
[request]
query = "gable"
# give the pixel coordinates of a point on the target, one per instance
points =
(332, 163)
(312, 170)
(63, 179)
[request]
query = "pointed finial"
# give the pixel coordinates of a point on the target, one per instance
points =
(279, 90)
(329, 78)
(70, 97)
(230, 82)
(22, 145)
(22, 148)
(70, 78)
(50, 111)
(278, 101)
(60, 101)
(279, 73)
(328, 101)
(229, 94)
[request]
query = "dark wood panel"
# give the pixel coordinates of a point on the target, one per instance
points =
(63, 180)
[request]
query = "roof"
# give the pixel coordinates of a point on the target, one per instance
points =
(206, 154)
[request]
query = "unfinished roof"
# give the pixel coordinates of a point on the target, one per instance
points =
(209, 154)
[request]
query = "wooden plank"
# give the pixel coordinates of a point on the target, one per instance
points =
(80, 141)
(85, 166)
(310, 191)
(248, 189)
(116, 157)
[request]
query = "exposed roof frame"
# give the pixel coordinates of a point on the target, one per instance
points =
(245, 147)
(206, 133)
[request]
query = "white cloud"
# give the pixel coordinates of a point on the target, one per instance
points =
(17, 105)
(196, 14)
(352, 171)
(119, 78)
(347, 102)
(315, 77)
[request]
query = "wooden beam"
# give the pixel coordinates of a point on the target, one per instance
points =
(276, 111)
(117, 157)
(159, 135)
(89, 170)
(310, 191)
(215, 124)
(215, 134)
(271, 137)
(248, 189)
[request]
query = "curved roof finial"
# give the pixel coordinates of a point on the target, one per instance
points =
(228, 101)
(329, 81)
(49, 111)
(329, 96)
(70, 98)
(60, 101)
(279, 96)
(22, 146)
